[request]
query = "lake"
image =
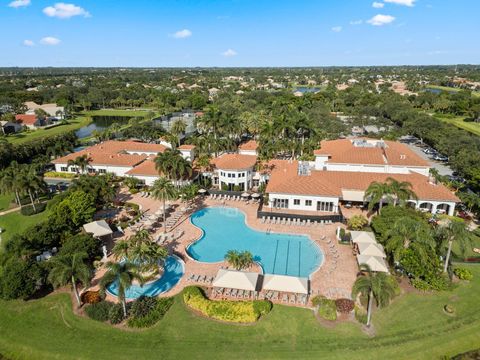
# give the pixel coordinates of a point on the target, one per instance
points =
(100, 123)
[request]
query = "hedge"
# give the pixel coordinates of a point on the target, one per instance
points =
(28, 209)
(99, 311)
(225, 310)
(147, 311)
(56, 174)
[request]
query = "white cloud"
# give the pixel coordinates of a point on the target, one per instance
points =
(19, 3)
(356, 22)
(65, 11)
(378, 5)
(28, 43)
(182, 34)
(379, 20)
(229, 53)
(401, 2)
(50, 40)
(336, 28)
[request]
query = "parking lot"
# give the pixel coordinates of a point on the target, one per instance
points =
(442, 168)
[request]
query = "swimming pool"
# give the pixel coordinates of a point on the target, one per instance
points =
(225, 229)
(173, 271)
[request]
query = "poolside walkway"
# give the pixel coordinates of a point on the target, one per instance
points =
(333, 281)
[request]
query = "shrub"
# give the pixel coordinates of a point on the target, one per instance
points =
(326, 307)
(436, 283)
(28, 209)
(232, 311)
(91, 297)
(152, 316)
(463, 274)
(344, 306)
(357, 222)
(143, 306)
(56, 174)
(115, 314)
(99, 311)
(360, 315)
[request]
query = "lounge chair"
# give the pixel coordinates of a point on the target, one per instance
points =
(275, 295)
(285, 298)
(197, 278)
(247, 295)
(191, 277)
(240, 293)
(308, 222)
(292, 299)
(263, 220)
(234, 293)
(228, 292)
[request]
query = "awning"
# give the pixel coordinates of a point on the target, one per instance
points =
(98, 228)
(353, 195)
(233, 279)
(371, 250)
(363, 237)
(291, 284)
(375, 263)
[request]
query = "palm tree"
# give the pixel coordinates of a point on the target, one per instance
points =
(68, 269)
(178, 128)
(162, 189)
(121, 249)
(375, 194)
(407, 232)
(239, 260)
(454, 231)
(400, 190)
(124, 273)
(189, 193)
(81, 162)
(378, 286)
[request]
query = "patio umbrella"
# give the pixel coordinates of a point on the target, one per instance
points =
(245, 195)
(255, 195)
(202, 191)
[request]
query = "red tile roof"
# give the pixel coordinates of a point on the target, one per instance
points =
(342, 151)
(285, 180)
(234, 162)
(186, 147)
(146, 168)
(249, 145)
(26, 119)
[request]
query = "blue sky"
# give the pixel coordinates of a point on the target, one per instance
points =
(238, 32)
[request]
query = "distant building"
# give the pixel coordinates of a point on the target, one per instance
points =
(9, 127)
(52, 110)
(31, 121)
(187, 116)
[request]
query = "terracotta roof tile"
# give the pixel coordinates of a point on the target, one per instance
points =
(249, 145)
(26, 119)
(234, 161)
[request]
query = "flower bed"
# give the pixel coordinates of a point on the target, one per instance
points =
(225, 310)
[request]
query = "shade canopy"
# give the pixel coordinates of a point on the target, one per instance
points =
(371, 249)
(353, 195)
(374, 262)
(363, 237)
(285, 283)
(233, 279)
(98, 228)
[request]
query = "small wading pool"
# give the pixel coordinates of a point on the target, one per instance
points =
(225, 229)
(173, 271)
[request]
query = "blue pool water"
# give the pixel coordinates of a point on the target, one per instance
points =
(173, 271)
(225, 229)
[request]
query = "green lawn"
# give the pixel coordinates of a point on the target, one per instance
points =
(5, 201)
(470, 126)
(451, 89)
(73, 124)
(15, 222)
(413, 327)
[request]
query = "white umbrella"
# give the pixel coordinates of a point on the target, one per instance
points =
(255, 195)
(202, 191)
(245, 194)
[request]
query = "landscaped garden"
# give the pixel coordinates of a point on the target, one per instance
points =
(413, 326)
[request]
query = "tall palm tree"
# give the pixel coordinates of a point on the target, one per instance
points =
(377, 286)
(121, 249)
(178, 128)
(162, 189)
(401, 191)
(68, 269)
(454, 231)
(81, 162)
(124, 273)
(375, 194)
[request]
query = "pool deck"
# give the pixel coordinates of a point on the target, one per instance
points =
(333, 281)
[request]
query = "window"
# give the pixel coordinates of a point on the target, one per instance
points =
(296, 201)
(64, 168)
(325, 206)
(308, 202)
(73, 169)
(102, 171)
(222, 173)
(280, 203)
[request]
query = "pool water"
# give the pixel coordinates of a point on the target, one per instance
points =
(173, 271)
(225, 229)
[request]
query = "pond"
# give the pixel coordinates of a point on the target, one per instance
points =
(100, 123)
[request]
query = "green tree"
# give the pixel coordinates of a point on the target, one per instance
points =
(377, 286)
(68, 269)
(357, 222)
(401, 191)
(453, 232)
(163, 190)
(376, 193)
(124, 273)
(239, 260)
(77, 209)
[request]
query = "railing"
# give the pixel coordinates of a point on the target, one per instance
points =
(261, 212)
(225, 192)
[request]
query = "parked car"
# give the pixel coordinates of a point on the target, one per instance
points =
(429, 151)
(440, 157)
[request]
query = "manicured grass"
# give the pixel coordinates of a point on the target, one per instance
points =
(451, 89)
(116, 112)
(459, 122)
(73, 124)
(5, 201)
(413, 327)
(16, 223)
